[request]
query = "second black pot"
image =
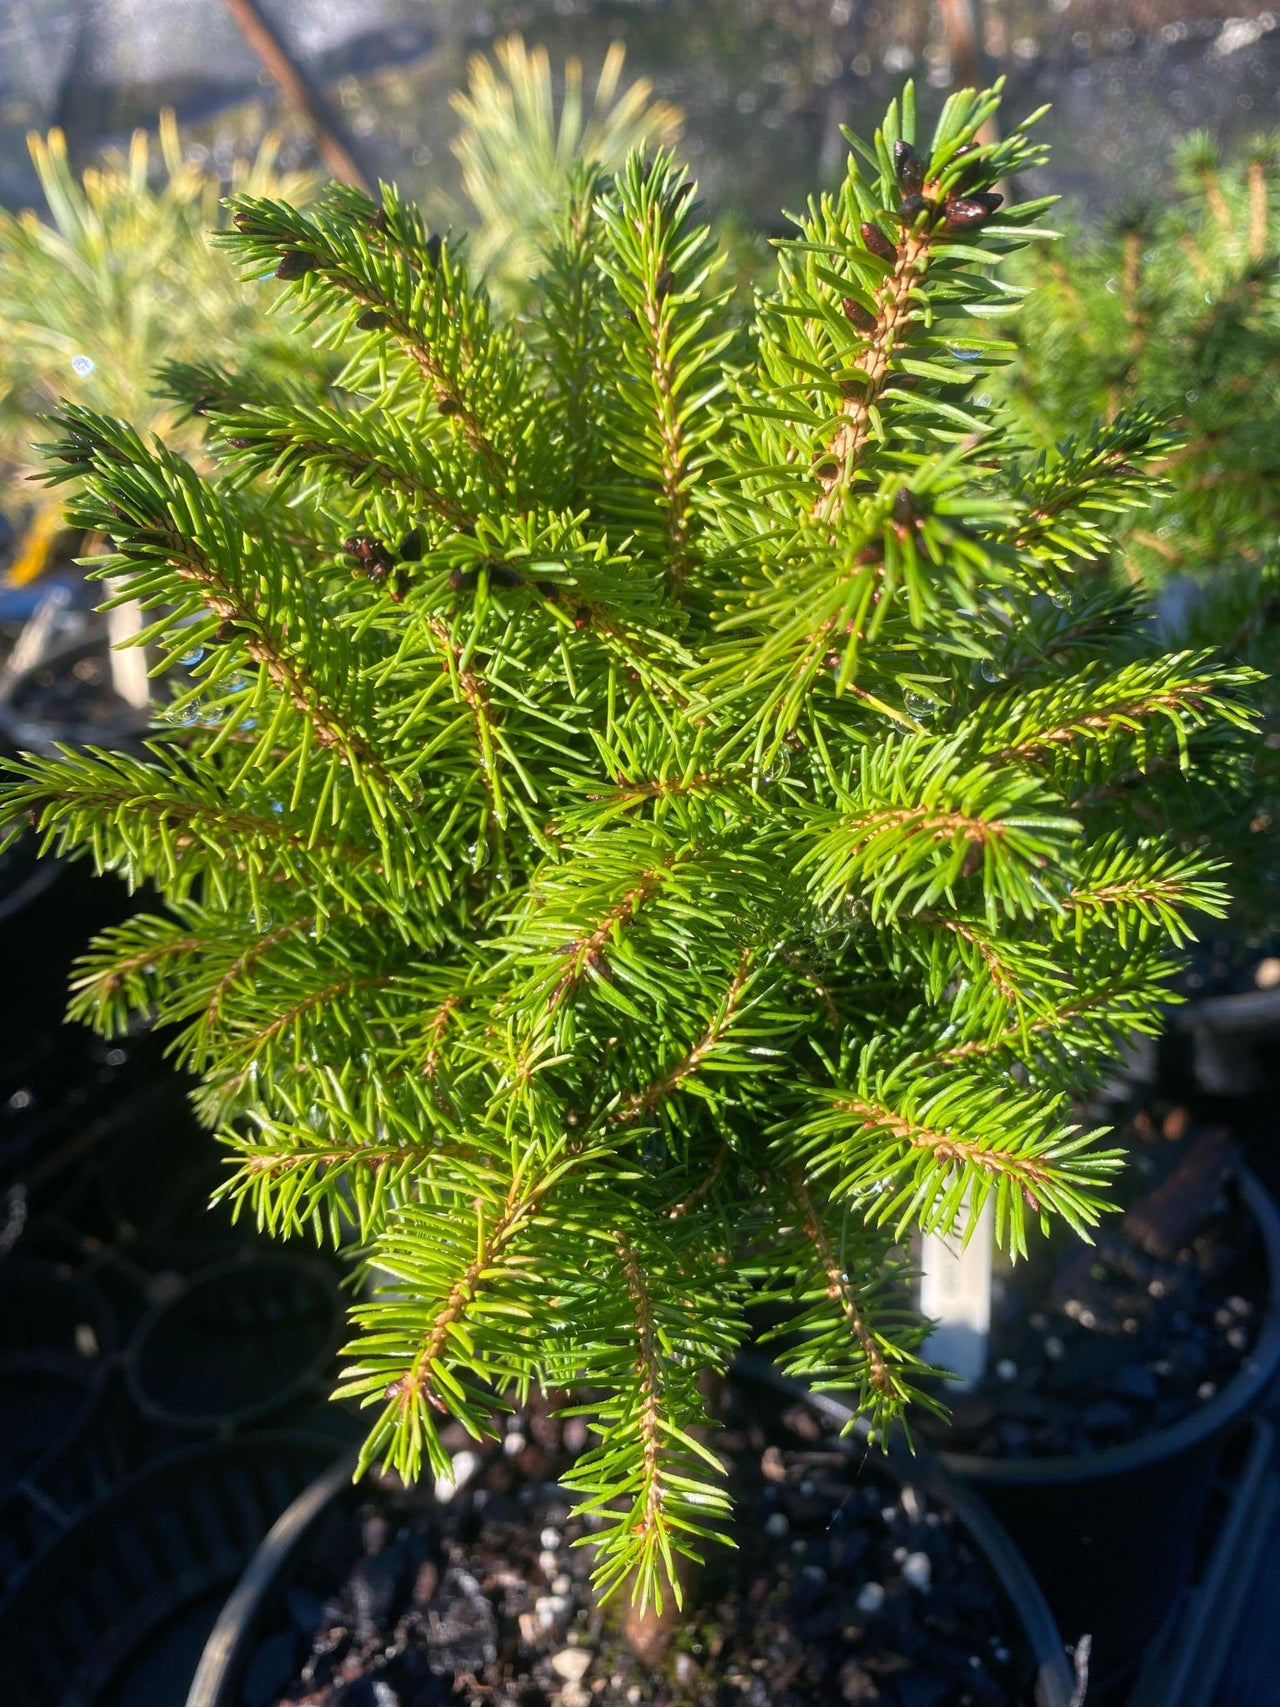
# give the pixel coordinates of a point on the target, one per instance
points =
(1110, 1534)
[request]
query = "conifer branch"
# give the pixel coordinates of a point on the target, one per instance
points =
(647, 1518)
(944, 1144)
(643, 1102)
(244, 962)
(895, 308)
(841, 1292)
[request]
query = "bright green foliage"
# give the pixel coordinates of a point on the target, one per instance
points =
(645, 830)
(1176, 306)
(119, 278)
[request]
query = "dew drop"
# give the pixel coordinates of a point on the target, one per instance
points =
(83, 365)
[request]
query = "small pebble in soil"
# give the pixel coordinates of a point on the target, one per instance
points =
(870, 1598)
(465, 1465)
(549, 1539)
(572, 1664)
(1206, 1389)
(514, 1444)
(917, 1569)
(776, 1524)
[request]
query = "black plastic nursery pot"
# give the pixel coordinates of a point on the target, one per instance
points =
(1109, 1534)
(115, 1611)
(267, 1591)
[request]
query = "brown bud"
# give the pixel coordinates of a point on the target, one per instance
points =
(448, 405)
(905, 513)
(871, 553)
(433, 251)
(296, 263)
(374, 558)
(910, 168)
(378, 220)
(371, 320)
(964, 212)
(877, 242)
(463, 580)
(911, 207)
(857, 315)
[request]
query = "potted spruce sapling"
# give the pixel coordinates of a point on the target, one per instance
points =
(601, 870)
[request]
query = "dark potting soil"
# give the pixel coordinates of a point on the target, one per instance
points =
(1094, 1347)
(843, 1587)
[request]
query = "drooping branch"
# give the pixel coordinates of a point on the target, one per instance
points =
(841, 1290)
(420, 1383)
(648, 1365)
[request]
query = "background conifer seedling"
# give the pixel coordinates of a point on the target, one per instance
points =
(1174, 305)
(120, 276)
(652, 821)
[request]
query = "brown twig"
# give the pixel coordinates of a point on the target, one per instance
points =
(307, 102)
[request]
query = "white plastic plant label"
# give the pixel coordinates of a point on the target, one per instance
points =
(955, 1290)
